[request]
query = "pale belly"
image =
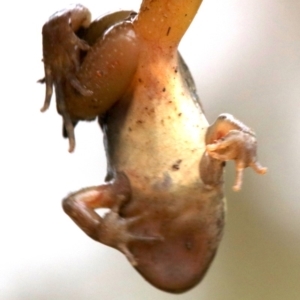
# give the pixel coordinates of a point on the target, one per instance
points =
(153, 139)
(158, 142)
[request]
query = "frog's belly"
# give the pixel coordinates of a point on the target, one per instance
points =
(159, 147)
(150, 138)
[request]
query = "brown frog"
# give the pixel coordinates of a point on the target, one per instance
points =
(164, 184)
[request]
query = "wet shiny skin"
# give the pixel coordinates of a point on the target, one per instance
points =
(164, 182)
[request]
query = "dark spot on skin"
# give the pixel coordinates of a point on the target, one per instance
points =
(170, 102)
(164, 89)
(176, 166)
(129, 129)
(164, 183)
(140, 80)
(176, 70)
(179, 115)
(139, 122)
(168, 32)
(188, 245)
(149, 110)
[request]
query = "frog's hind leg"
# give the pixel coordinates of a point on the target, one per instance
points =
(111, 230)
(62, 50)
(90, 65)
(229, 139)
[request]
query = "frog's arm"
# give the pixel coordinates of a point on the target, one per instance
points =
(90, 68)
(229, 139)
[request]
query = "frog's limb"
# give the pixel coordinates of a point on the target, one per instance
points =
(99, 26)
(61, 57)
(229, 139)
(107, 70)
(61, 48)
(112, 229)
(90, 70)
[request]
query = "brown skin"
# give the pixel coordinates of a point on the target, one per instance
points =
(164, 183)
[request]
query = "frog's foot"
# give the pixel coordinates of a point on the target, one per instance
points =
(62, 49)
(229, 139)
(68, 123)
(119, 237)
(112, 230)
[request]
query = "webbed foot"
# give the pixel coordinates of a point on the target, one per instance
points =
(112, 230)
(62, 50)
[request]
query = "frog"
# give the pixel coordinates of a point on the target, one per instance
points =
(164, 188)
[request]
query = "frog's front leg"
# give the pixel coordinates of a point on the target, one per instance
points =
(112, 230)
(229, 139)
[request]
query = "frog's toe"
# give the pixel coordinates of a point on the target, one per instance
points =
(83, 45)
(123, 247)
(48, 80)
(133, 222)
(118, 235)
(238, 179)
(258, 168)
(75, 83)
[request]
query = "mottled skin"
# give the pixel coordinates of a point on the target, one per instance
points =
(165, 164)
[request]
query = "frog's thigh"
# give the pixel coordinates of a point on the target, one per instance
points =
(109, 66)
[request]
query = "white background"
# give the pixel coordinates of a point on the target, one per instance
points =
(245, 57)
